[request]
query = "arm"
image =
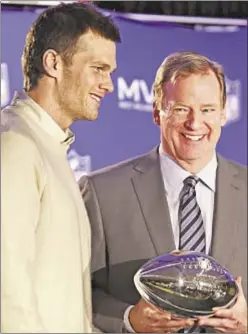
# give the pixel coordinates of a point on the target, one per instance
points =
(20, 213)
(108, 312)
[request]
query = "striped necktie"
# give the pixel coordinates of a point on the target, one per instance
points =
(192, 233)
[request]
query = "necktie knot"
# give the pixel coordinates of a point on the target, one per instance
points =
(191, 181)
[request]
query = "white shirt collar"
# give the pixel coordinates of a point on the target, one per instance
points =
(174, 175)
(45, 120)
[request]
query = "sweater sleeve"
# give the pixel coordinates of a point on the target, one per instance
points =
(21, 186)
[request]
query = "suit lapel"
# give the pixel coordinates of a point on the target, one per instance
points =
(227, 188)
(149, 188)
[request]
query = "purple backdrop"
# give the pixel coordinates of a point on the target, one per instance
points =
(125, 127)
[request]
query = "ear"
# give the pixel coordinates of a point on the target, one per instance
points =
(156, 116)
(223, 118)
(52, 63)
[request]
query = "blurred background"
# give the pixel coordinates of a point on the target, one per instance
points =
(228, 9)
(150, 31)
(231, 9)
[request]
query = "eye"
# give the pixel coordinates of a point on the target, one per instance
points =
(98, 69)
(208, 110)
(180, 110)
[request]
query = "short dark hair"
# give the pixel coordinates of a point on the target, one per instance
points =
(59, 28)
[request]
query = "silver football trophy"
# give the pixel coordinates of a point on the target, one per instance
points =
(186, 283)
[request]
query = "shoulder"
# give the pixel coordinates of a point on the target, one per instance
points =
(236, 168)
(119, 174)
(17, 142)
(14, 130)
(124, 168)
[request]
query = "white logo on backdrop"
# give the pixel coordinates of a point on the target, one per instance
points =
(138, 95)
(81, 165)
(233, 104)
(5, 94)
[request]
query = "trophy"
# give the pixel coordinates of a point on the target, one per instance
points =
(186, 283)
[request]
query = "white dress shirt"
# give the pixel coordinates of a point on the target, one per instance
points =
(173, 177)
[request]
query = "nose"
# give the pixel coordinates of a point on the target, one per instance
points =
(194, 120)
(107, 84)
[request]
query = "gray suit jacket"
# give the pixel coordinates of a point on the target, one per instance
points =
(130, 224)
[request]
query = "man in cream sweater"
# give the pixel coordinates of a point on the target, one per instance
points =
(67, 61)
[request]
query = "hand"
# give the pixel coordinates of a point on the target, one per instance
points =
(147, 318)
(229, 320)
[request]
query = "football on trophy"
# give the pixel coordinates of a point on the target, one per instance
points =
(186, 283)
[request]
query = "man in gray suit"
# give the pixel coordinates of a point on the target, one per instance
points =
(134, 207)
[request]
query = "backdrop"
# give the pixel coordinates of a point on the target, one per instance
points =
(125, 127)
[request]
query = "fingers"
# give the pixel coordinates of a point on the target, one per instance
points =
(158, 329)
(179, 323)
(173, 330)
(167, 322)
(168, 319)
(154, 313)
(169, 327)
(220, 330)
(225, 313)
(221, 323)
(145, 317)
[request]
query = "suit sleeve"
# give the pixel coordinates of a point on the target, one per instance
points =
(20, 186)
(108, 312)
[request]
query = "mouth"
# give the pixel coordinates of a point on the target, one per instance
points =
(194, 138)
(96, 98)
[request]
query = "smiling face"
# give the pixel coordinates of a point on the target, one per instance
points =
(82, 84)
(191, 119)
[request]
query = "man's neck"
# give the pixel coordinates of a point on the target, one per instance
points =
(193, 166)
(48, 105)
